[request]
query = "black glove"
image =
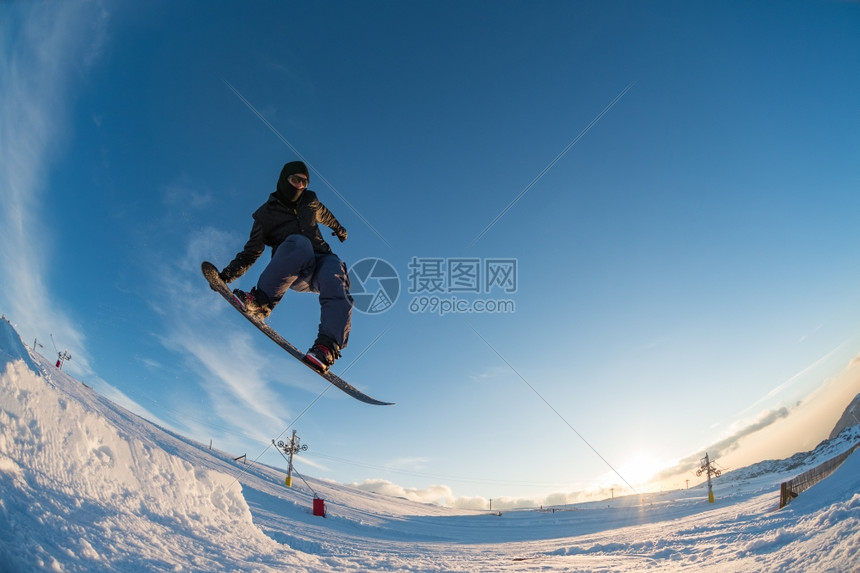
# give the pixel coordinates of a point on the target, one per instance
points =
(227, 275)
(340, 234)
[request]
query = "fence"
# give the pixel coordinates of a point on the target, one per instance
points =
(788, 490)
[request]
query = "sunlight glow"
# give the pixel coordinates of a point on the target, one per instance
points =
(640, 467)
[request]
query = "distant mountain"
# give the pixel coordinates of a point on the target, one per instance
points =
(801, 461)
(851, 417)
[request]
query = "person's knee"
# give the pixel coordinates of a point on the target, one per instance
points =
(298, 243)
(294, 254)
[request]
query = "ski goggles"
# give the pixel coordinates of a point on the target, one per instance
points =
(298, 180)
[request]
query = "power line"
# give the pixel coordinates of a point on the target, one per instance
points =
(308, 163)
(552, 163)
(551, 407)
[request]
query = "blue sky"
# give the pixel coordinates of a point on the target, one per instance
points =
(682, 189)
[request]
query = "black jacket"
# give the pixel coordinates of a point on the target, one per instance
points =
(276, 220)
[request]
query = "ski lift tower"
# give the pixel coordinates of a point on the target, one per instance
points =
(61, 356)
(709, 468)
(290, 449)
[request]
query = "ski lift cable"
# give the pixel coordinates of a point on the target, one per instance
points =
(295, 471)
(557, 413)
(254, 462)
(552, 163)
(302, 157)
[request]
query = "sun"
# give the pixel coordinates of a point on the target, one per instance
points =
(640, 467)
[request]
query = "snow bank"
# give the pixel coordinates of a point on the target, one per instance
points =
(70, 481)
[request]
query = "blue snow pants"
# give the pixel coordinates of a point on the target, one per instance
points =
(296, 266)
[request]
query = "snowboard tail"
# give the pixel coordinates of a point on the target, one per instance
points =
(211, 274)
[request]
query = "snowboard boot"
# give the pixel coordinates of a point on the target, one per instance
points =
(322, 354)
(255, 303)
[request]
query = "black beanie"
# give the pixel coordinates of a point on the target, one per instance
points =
(294, 167)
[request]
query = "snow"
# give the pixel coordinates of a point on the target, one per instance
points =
(87, 486)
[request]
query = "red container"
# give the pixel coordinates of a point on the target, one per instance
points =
(319, 507)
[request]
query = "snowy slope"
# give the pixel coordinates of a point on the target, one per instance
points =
(88, 486)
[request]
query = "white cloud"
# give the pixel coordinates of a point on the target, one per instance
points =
(50, 44)
(208, 244)
(437, 494)
(185, 194)
(54, 45)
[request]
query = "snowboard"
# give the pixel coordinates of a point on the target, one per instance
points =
(211, 274)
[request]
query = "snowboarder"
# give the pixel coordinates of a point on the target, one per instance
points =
(301, 260)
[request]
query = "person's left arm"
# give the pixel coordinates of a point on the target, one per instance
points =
(328, 219)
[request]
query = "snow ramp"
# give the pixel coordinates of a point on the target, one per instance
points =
(79, 493)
